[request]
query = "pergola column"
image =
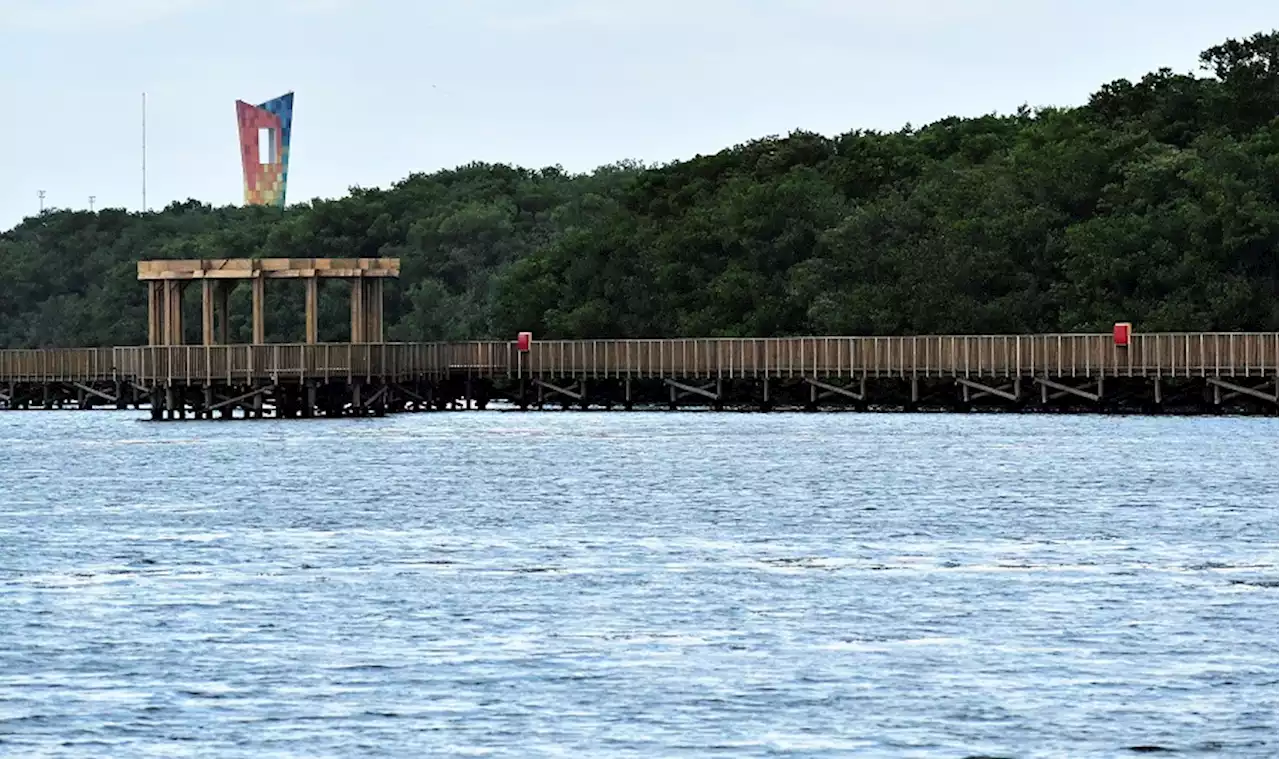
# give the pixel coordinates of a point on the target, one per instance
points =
(155, 312)
(375, 332)
(173, 311)
(313, 306)
(215, 311)
(259, 309)
(366, 310)
(207, 303)
(222, 298)
(358, 311)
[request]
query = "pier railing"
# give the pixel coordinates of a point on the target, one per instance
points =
(1087, 355)
(237, 364)
(1210, 354)
(57, 365)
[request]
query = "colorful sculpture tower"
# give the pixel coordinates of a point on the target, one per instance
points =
(264, 149)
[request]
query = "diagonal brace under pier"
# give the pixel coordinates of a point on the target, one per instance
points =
(1006, 394)
(1068, 390)
(684, 389)
(92, 391)
(408, 393)
(837, 390)
(233, 401)
(577, 396)
(358, 401)
(1254, 392)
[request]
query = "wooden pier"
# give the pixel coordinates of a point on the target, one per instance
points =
(1154, 372)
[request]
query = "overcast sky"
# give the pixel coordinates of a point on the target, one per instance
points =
(389, 87)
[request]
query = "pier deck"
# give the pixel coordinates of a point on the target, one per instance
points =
(1189, 371)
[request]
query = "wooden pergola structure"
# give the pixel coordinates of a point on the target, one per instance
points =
(167, 281)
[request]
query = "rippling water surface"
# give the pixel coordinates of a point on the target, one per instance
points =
(672, 584)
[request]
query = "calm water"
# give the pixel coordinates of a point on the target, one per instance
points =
(691, 584)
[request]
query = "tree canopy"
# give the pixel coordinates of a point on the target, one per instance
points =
(1155, 202)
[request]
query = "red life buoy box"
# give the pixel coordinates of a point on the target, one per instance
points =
(1120, 332)
(523, 340)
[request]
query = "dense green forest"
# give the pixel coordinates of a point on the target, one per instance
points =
(1155, 202)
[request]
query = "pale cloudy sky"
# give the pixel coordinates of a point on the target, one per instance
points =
(388, 87)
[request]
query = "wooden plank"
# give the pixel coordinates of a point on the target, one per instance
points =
(269, 268)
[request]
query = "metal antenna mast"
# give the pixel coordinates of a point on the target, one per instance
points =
(144, 152)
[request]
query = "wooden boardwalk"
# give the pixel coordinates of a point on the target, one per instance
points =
(306, 379)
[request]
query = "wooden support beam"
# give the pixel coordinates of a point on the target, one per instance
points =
(377, 395)
(374, 297)
(178, 335)
(837, 390)
(259, 311)
(1062, 389)
(408, 393)
(382, 306)
(361, 401)
(357, 312)
(155, 313)
(273, 268)
(371, 332)
(206, 312)
(255, 393)
(312, 307)
(222, 305)
(157, 404)
(173, 334)
(705, 391)
(986, 390)
(568, 393)
(85, 388)
(1259, 393)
